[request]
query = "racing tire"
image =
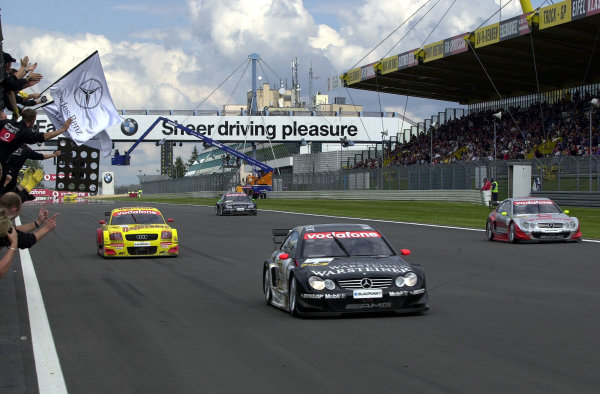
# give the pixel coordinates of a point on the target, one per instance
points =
(267, 286)
(293, 298)
(101, 251)
(489, 230)
(511, 233)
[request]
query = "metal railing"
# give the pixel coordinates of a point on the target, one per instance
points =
(564, 173)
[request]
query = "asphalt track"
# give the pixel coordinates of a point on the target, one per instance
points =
(504, 318)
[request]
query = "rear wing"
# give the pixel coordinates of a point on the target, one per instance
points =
(279, 235)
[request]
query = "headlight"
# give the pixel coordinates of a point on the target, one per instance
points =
(166, 235)
(227, 206)
(525, 225)
(316, 283)
(409, 280)
(329, 285)
(573, 224)
(400, 281)
(115, 236)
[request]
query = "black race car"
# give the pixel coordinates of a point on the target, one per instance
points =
(341, 268)
(235, 204)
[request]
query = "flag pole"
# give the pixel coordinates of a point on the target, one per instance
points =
(70, 71)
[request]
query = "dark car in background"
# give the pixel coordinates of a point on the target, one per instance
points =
(235, 204)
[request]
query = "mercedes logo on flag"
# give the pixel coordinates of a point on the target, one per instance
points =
(89, 94)
(108, 177)
(129, 127)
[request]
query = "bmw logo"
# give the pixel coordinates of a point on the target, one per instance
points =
(129, 127)
(108, 177)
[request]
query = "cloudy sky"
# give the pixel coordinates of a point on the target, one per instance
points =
(171, 54)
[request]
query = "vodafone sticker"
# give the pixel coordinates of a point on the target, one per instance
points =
(534, 202)
(136, 211)
(343, 234)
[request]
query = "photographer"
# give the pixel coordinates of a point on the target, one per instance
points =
(11, 203)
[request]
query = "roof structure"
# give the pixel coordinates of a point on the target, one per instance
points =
(558, 45)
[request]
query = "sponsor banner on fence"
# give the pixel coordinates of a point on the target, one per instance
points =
(582, 8)
(47, 193)
(555, 14)
(514, 27)
(249, 128)
(407, 59)
(389, 64)
(353, 76)
(434, 51)
(367, 71)
(487, 35)
(455, 45)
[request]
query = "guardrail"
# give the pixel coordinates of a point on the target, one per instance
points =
(575, 199)
(468, 196)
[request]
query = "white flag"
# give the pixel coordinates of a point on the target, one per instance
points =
(82, 95)
(100, 141)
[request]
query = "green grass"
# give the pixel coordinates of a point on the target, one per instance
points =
(445, 213)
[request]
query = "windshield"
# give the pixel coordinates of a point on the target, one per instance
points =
(236, 198)
(344, 243)
(137, 217)
(534, 207)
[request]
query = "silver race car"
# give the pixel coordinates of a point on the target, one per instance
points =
(531, 219)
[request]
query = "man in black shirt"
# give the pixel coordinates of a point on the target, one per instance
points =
(14, 134)
(15, 163)
(12, 83)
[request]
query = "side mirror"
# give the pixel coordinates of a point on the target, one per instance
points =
(284, 256)
(566, 211)
(405, 252)
(102, 222)
(170, 220)
(504, 214)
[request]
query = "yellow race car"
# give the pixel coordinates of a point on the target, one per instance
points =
(70, 197)
(136, 232)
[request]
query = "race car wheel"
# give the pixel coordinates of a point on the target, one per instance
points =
(292, 298)
(489, 231)
(267, 287)
(511, 233)
(101, 250)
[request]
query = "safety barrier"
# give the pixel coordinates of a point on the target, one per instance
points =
(575, 199)
(468, 196)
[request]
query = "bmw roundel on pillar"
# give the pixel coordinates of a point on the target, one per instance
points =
(108, 183)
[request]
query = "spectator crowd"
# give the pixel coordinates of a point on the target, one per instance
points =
(561, 128)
